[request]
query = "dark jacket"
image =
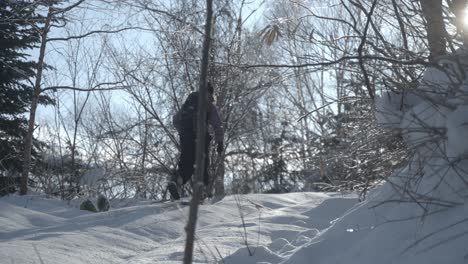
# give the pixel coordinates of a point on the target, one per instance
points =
(213, 117)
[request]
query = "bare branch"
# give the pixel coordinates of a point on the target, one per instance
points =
(66, 9)
(90, 33)
(95, 88)
(417, 61)
(360, 50)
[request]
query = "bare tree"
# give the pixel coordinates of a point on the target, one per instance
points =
(200, 140)
(436, 34)
(54, 18)
(34, 103)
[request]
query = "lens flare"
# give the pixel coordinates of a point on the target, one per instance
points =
(465, 18)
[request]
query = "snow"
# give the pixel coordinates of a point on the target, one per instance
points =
(35, 229)
(418, 216)
(283, 228)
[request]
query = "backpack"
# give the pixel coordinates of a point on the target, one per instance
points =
(185, 120)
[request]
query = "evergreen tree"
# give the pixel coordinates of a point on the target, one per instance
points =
(18, 35)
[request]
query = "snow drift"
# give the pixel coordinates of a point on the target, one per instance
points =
(420, 214)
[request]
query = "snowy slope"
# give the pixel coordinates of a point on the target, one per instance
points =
(420, 215)
(34, 229)
(378, 231)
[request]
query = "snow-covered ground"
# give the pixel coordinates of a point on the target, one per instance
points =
(299, 228)
(34, 229)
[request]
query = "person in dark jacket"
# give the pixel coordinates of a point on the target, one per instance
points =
(185, 122)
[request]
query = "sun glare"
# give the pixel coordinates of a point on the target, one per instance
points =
(465, 18)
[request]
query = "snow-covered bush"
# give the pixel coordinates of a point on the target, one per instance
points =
(102, 203)
(357, 153)
(88, 206)
(433, 120)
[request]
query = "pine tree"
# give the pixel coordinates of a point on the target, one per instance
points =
(18, 35)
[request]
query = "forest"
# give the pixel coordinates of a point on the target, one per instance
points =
(324, 96)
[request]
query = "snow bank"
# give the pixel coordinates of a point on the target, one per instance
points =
(420, 215)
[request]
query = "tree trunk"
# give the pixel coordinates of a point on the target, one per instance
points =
(35, 100)
(432, 12)
(141, 190)
(219, 177)
(201, 130)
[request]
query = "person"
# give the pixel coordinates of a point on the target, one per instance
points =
(185, 121)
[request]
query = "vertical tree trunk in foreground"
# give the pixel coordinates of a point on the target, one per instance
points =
(201, 130)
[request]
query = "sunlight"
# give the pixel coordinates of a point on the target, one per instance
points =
(465, 18)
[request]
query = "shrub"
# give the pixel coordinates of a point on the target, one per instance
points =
(88, 206)
(103, 204)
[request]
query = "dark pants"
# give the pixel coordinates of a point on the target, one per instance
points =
(187, 157)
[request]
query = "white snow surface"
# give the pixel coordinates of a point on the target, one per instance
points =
(297, 228)
(35, 229)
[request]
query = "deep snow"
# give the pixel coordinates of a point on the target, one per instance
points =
(297, 228)
(35, 229)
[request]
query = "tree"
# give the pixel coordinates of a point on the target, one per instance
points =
(377, 46)
(55, 18)
(160, 88)
(201, 130)
(18, 34)
(432, 11)
(35, 95)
